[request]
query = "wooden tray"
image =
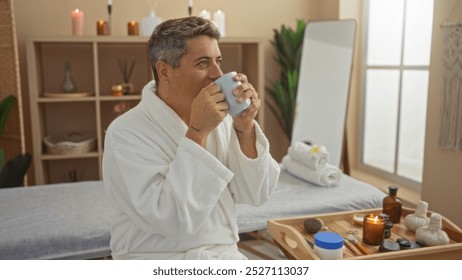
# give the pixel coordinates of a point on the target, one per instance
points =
(291, 237)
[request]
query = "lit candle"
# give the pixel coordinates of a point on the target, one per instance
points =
(373, 229)
(77, 22)
(109, 13)
(205, 14)
(133, 28)
(190, 5)
(101, 27)
(219, 19)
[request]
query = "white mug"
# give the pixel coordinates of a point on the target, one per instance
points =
(227, 84)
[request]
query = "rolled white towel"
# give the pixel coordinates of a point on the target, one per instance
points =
(315, 156)
(327, 176)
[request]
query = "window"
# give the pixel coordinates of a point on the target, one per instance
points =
(395, 73)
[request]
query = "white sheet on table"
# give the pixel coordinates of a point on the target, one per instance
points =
(56, 221)
(295, 197)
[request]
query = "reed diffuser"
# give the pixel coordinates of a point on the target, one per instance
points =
(126, 69)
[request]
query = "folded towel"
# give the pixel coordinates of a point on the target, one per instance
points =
(315, 156)
(328, 176)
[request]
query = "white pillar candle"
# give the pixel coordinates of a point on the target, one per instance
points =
(77, 22)
(190, 5)
(219, 19)
(205, 14)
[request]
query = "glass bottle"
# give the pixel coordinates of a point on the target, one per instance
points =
(392, 205)
(68, 84)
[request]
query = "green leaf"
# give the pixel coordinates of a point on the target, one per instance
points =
(288, 44)
(5, 107)
(2, 159)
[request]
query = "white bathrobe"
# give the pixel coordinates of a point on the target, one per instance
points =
(175, 199)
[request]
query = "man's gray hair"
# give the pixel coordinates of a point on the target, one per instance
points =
(168, 40)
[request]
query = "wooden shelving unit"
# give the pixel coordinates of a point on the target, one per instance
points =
(94, 68)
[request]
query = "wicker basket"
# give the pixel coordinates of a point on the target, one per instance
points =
(70, 144)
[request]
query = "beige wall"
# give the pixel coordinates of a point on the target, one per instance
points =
(351, 9)
(442, 180)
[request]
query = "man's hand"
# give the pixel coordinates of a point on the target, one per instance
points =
(208, 110)
(244, 122)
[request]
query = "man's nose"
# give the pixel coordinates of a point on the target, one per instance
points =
(216, 71)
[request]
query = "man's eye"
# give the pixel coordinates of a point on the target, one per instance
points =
(219, 61)
(203, 63)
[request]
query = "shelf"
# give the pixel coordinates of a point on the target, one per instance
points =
(61, 157)
(120, 98)
(67, 95)
(65, 99)
(94, 67)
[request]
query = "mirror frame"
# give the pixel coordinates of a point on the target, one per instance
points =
(324, 85)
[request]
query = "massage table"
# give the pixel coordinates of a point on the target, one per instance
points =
(72, 220)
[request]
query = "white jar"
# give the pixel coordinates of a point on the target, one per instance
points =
(328, 245)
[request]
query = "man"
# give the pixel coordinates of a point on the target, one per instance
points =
(175, 165)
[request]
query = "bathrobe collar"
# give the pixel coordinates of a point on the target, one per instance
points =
(160, 113)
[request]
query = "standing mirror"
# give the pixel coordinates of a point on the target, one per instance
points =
(324, 83)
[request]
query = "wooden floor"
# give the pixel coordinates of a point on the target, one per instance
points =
(259, 245)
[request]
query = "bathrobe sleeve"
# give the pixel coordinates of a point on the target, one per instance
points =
(162, 192)
(254, 179)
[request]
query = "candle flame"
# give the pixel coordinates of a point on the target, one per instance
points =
(375, 219)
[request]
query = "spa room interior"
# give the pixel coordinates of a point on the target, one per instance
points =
(377, 90)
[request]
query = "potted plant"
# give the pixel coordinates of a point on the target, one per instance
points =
(288, 44)
(5, 107)
(12, 172)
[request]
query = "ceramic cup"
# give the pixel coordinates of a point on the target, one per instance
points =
(227, 84)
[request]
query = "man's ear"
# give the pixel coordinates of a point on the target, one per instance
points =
(163, 70)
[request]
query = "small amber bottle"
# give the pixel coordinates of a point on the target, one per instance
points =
(392, 205)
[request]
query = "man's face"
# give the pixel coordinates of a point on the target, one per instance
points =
(198, 68)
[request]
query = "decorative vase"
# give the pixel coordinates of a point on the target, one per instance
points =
(150, 22)
(68, 85)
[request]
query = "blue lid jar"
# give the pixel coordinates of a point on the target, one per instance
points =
(328, 240)
(328, 245)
